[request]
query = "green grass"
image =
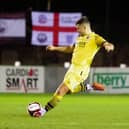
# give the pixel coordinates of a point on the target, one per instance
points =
(76, 111)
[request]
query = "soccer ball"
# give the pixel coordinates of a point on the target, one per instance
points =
(34, 109)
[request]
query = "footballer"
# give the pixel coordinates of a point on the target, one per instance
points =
(88, 43)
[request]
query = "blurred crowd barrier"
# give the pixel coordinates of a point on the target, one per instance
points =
(38, 79)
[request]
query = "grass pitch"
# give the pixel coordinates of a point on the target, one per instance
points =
(75, 111)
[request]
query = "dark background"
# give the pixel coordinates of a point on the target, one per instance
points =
(109, 18)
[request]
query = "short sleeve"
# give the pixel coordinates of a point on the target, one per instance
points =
(99, 40)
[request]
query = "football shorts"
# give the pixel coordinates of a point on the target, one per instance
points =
(74, 76)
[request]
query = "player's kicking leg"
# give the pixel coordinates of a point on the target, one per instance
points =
(57, 97)
(61, 91)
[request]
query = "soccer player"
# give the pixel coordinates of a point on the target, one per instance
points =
(88, 43)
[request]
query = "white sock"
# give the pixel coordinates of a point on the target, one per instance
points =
(43, 111)
(89, 87)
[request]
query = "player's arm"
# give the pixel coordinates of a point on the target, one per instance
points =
(108, 46)
(103, 43)
(65, 49)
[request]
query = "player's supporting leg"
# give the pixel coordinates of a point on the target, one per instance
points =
(85, 86)
(98, 86)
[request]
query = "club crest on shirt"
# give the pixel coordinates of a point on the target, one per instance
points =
(84, 42)
(87, 37)
(81, 44)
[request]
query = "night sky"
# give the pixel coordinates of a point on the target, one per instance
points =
(96, 10)
(108, 17)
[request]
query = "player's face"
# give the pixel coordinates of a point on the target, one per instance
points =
(81, 29)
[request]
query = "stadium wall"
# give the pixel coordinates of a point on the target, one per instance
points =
(38, 79)
(115, 79)
(22, 79)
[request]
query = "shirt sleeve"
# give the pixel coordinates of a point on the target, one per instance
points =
(99, 40)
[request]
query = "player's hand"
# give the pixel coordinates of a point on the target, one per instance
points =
(108, 47)
(50, 48)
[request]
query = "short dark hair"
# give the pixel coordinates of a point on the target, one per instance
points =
(83, 19)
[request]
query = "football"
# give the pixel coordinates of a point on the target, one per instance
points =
(34, 108)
